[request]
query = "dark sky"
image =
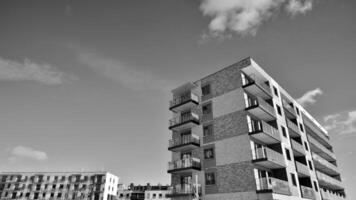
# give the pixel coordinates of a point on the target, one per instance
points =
(85, 84)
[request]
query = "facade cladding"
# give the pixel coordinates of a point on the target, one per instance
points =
(236, 134)
(58, 185)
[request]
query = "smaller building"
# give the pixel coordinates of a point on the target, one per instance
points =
(143, 192)
(58, 185)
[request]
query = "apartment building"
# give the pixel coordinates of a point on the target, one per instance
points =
(237, 134)
(58, 185)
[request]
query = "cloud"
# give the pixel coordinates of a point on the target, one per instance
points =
(341, 123)
(19, 152)
(309, 97)
(30, 71)
(124, 74)
(244, 17)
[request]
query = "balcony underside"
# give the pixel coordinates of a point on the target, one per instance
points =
(184, 125)
(261, 113)
(186, 105)
(184, 170)
(265, 137)
(269, 164)
(184, 147)
(257, 90)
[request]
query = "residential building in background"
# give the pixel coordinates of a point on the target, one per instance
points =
(146, 192)
(237, 134)
(58, 185)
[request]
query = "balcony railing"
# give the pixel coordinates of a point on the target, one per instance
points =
(190, 99)
(188, 120)
(312, 129)
(273, 185)
(328, 181)
(325, 166)
(318, 148)
(307, 192)
(250, 84)
(298, 148)
(302, 169)
(184, 142)
(293, 129)
(326, 195)
(264, 132)
(289, 111)
(268, 158)
(260, 108)
(185, 164)
(185, 189)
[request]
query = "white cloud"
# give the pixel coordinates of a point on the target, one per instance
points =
(309, 97)
(128, 76)
(341, 123)
(30, 71)
(245, 16)
(19, 152)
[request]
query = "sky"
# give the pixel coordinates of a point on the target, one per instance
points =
(85, 85)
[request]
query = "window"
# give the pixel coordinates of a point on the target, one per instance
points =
(275, 91)
(310, 165)
(59, 195)
(208, 130)
(208, 153)
(154, 196)
(316, 186)
(279, 110)
(160, 195)
(297, 111)
(207, 109)
(306, 146)
(205, 90)
(209, 178)
(293, 179)
(288, 154)
(284, 131)
(301, 127)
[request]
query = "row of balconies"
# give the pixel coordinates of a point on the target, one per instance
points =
(312, 129)
(324, 166)
(320, 149)
(329, 182)
(327, 195)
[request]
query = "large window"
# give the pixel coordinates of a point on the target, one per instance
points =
(208, 153)
(210, 178)
(208, 130)
(206, 90)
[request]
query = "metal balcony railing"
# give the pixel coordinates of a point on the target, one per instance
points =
(269, 154)
(307, 192)
(276, 185)
(184, 119)
(185, 140)
(184, 163)
(262, 126)
(183, 99)
(185, 189)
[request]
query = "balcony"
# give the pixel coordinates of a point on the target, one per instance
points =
(302, 169)
(185, 143)
(264, 132)
(184, 165)
(329, 182)
(324, 166)
(326, 195)
(293, 129)
(268, 158)
(260, 108)
(185, 190)
(289, 111)
(185, 121)
(307, 192)
(298, 149)
(250, 84)
(321, 150)
(184, 102)
(312, 129)
(273, 185)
